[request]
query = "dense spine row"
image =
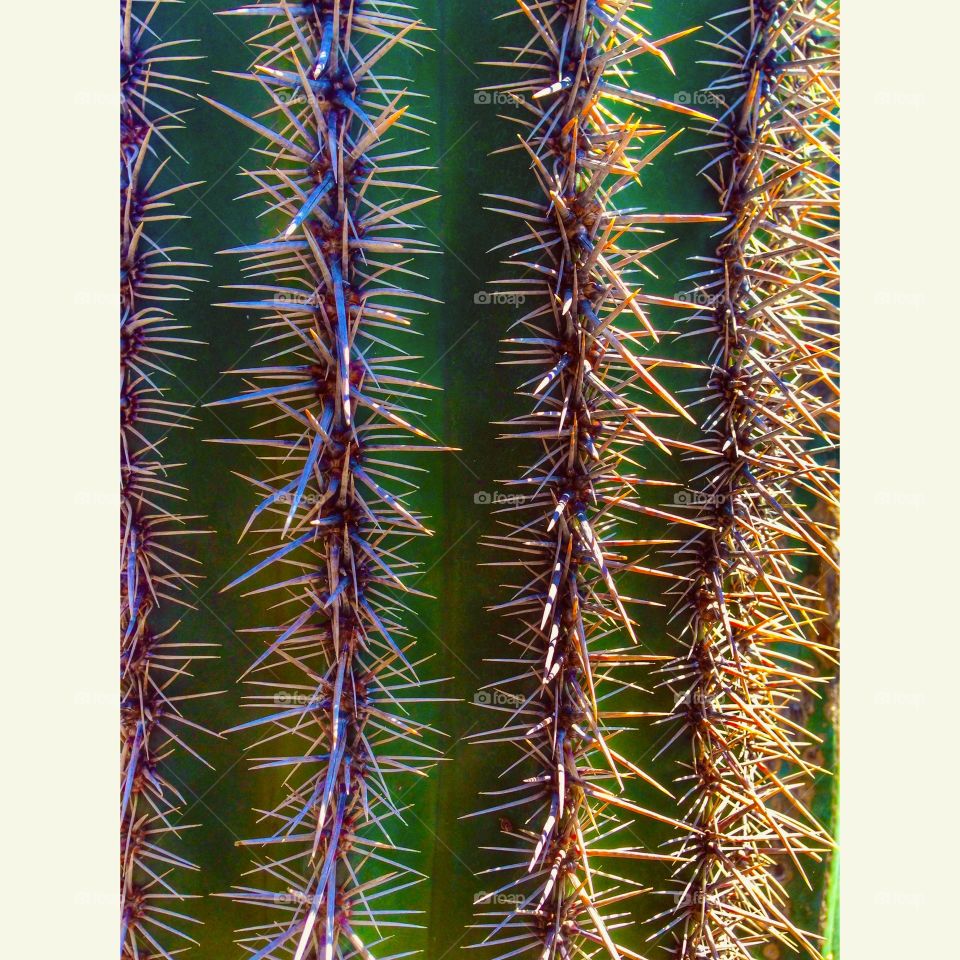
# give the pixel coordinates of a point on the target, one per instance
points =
(766, 486)
(153, 571)
(336, 676)
(596, 403)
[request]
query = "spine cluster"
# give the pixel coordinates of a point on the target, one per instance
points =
(766, 488)
(336, 677)
(154, 573)
(597, 399)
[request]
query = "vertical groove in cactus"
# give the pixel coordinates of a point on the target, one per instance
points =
(337, 683)
(597, 399)
(765, 490)
(155, 575)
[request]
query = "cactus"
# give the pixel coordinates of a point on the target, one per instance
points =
(644, 610)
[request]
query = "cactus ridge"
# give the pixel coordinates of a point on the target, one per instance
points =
(766, 489)
(597, 398)
(338, 403)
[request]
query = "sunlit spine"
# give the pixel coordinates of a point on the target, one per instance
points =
(751, 647)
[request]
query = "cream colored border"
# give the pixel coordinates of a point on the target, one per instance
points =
(900, 480)
(60, 503)
(901, 435)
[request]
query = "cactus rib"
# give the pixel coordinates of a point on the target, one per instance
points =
(597, 395)
(335, 396)
(769, 459)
